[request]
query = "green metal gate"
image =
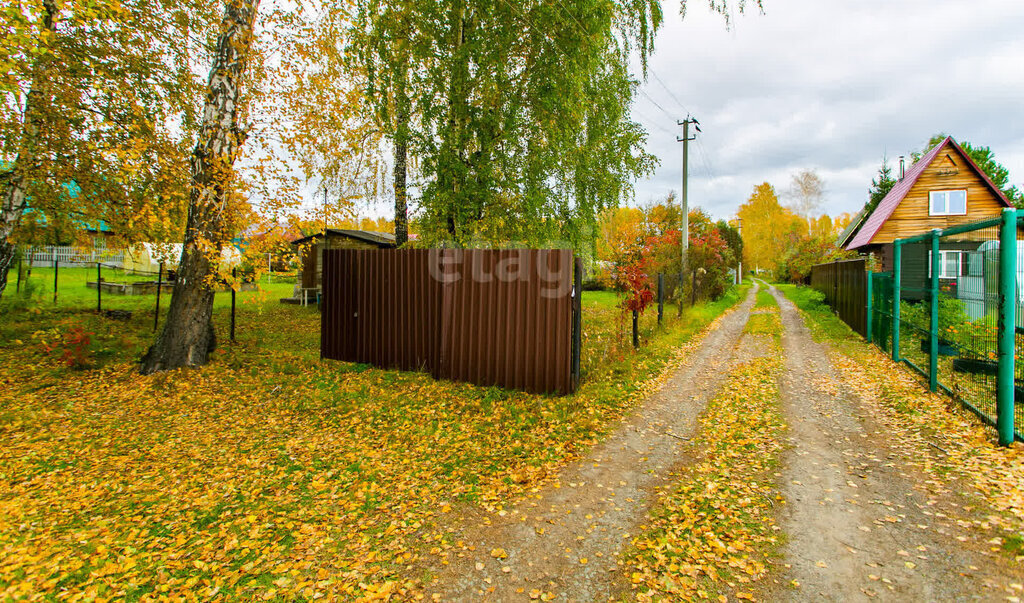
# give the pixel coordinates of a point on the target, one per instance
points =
(951, 309)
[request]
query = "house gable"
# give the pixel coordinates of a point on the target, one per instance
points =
(905, 210)
(949, 172)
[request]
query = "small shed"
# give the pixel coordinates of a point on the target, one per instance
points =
(311, 250)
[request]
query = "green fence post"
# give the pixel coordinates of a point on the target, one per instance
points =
(867, 317)
(1006, 325)
(897, 260)
(933, 321)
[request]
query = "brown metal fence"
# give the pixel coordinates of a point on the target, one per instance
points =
(491, 317)
(845, 285)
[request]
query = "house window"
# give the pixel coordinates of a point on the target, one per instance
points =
(947, 203)
(950, 264)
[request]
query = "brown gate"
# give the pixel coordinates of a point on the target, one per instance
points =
(845, 285)
(492, 317)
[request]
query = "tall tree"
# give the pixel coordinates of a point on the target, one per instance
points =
(807, 192)
(768, 228)
(519, 112)
(187, 336)
(880, 186)
(95, 96)
(320, 112)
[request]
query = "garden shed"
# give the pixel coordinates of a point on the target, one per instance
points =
(311, 250)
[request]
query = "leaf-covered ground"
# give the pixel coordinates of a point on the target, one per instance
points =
(958, 454)
(268, 474)
(710, 535)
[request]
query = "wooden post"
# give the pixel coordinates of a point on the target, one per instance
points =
(681, 294)
(159, 286)
(17, 288)
(233, 283)
(55, 267)
(636, 330)
(99, 289)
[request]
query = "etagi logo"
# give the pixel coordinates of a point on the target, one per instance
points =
(551, 268)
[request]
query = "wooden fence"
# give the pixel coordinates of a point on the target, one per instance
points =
(509, 318)
(845, 285)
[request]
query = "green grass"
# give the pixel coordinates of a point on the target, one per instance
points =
(764, 299)
(824, 324)
(33, 311)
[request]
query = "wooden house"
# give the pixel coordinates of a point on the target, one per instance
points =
(943, 189)
(311, 250)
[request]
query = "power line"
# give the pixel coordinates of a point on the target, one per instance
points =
(655, 103)
(705, 159)
(673, 96)
(653, 122)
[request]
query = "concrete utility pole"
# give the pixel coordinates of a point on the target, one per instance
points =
(684, 202)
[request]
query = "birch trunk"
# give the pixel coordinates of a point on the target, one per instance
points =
(14, 182)
(401, 162)
(188, 337)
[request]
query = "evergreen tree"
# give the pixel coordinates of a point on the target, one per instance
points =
(880, 186)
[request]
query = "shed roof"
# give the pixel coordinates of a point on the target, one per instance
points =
(851, 228)
(380, 239)
(891, 201)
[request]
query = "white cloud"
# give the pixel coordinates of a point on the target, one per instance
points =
(831, 86)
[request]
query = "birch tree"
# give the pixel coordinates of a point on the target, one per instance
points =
(96, 94)
(188, 336)
(517, 113)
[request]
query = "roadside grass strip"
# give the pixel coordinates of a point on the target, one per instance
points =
(712, 533)
(765, 299)
(945, 441)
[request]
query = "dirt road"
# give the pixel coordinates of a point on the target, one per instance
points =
(856, 527)
(564, 542)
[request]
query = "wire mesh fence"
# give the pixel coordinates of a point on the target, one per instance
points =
(953, 301)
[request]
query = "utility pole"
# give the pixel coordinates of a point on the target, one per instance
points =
(683, 201)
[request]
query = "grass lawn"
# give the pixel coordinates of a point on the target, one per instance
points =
(268, 473)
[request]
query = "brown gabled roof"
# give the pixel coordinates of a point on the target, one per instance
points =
(891, 201)
(380, 239)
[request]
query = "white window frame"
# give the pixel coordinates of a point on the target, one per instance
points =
(942, 263)
(945, 193)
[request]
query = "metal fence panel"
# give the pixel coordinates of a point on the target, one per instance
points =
(490, 317)
(844, 285)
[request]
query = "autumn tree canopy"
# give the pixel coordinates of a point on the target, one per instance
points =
(767, 227)
(99, 102)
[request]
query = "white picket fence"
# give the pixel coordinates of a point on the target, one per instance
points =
(71, 256)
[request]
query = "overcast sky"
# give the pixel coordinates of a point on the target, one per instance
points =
(830, 85)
